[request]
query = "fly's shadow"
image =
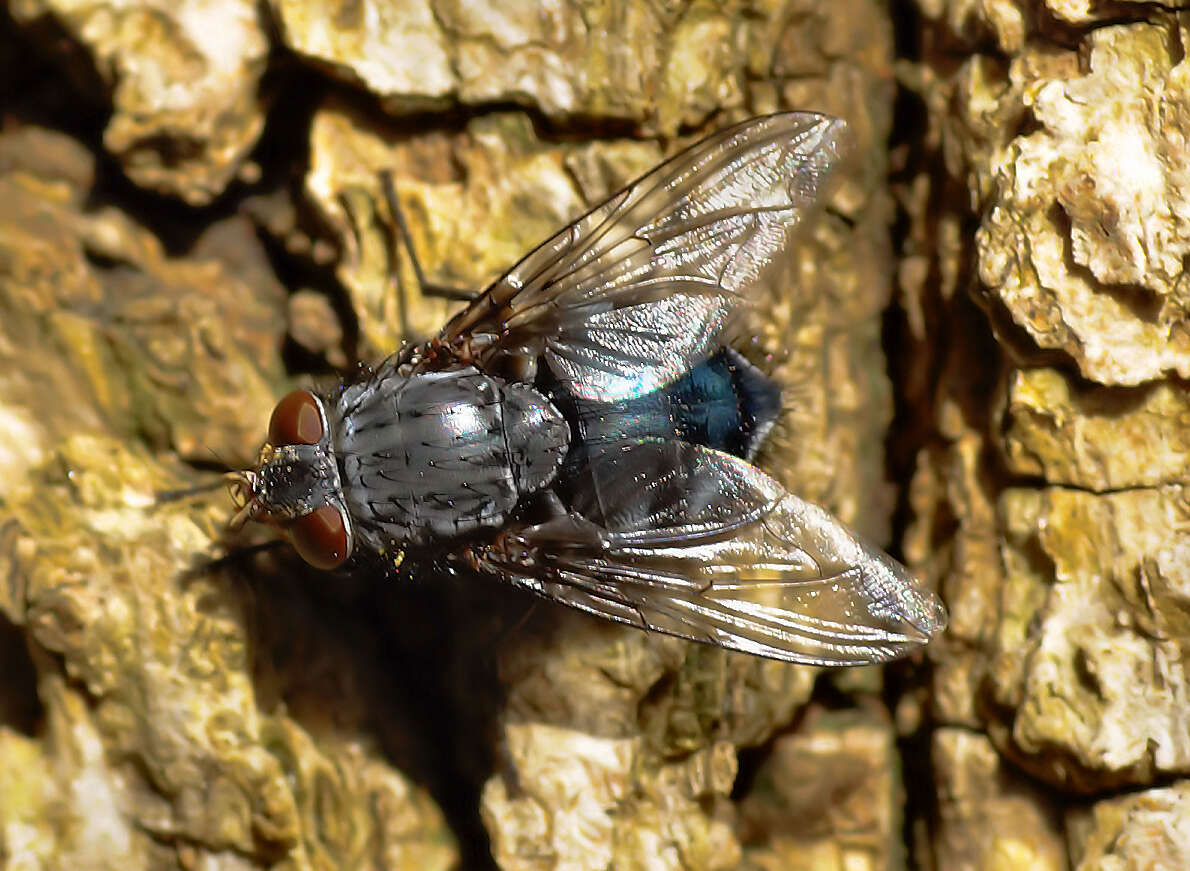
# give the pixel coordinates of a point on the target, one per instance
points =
(408, 658)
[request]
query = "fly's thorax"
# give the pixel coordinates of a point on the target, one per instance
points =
(429, 456)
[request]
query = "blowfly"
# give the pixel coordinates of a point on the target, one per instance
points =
(580, 430)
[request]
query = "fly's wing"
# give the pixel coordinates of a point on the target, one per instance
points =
(692, 542)
(629, 296)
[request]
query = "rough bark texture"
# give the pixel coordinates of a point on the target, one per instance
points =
(1046, 182)
(191, 222)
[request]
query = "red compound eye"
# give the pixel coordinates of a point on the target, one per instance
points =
(296, 420)
(320, 538)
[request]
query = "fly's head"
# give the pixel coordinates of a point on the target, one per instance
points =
(296, 485)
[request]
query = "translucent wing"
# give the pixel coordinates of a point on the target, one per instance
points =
(684, 540)
(632, 294)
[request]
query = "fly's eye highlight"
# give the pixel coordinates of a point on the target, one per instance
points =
(320, 538)
(296, 420)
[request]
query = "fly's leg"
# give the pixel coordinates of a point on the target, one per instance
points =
(428, 288)
(553, 503)
(355, 226)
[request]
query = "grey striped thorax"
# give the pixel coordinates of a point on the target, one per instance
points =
(435, 455)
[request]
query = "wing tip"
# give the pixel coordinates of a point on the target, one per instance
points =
(918, 610)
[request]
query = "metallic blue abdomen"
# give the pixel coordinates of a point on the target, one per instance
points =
(724, 403)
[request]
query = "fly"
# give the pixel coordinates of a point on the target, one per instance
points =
(579, 430)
